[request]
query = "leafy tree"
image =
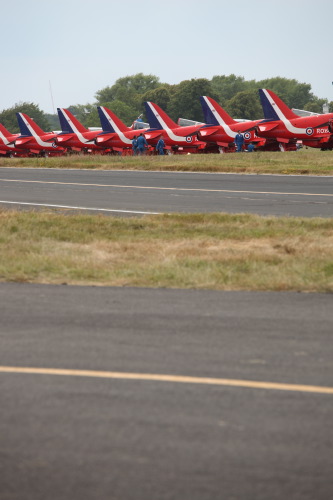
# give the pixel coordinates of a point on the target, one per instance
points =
(244, 105)
(226, 87)
(86, 114)
(185, 102)
(160, 96)
(293, 93)
(9, 120)
(126, 113)
(129, 90)
(316, 105)
(53, 121)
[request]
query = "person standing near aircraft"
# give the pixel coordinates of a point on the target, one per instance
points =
(135, 146)
(142, 144)
(239, 142)
(160, 146)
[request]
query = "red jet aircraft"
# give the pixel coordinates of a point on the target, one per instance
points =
(221, 129)
(282, 124)
(224, 129)
(115, 134)
(33, 139)
(7, 143)
(179, 139)
(74, 135)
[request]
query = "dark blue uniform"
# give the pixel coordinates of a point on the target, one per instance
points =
(160, 147)
(135, 146)
(239, 141)
(142, 144)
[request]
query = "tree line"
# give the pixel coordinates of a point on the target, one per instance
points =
(239, 97)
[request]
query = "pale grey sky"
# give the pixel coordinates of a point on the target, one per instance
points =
(82, 46)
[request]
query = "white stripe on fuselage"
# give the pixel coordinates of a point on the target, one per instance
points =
(122, 137)
(220, 120)
(78, 134)
(35, 135)
(285, 121)
(171, 135)
(6, 141)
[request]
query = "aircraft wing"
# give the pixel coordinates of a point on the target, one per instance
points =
(184, 122)
(207, 131)
(22, 140)
(104, 138)
(265, 127)
(153, 134)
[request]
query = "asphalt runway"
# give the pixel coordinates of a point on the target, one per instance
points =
(125, 393)
(135, 193)
(159, 399)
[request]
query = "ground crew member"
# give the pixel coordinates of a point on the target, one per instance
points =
(160, 146)
(142, 144)
(239, 141)
(135, 146)
(250, 147)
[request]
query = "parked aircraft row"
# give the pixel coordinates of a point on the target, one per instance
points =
(280, 129)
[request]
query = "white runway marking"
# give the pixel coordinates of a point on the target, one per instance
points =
(79, 208)
(165, 188)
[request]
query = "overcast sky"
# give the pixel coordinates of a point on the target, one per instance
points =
(77, 47)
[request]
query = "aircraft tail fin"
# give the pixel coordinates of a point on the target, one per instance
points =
(110, 122)
(27, 126)
(214, 114)
(158, 118)
(69, 124)
(274, 108)
(5, 132)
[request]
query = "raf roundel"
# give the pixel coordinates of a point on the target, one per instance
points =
(247, 135)
(309, 131)
(189, 138)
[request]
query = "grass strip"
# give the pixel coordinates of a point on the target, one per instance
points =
(303, 162)
(203, 251)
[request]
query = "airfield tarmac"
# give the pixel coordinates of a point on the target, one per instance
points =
(244, 409)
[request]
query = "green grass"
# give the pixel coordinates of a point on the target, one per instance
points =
(213, 251)
(303, 162)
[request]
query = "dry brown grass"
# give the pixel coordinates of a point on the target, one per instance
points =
(216, 251)
(304, 162)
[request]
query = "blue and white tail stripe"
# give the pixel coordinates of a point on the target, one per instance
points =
(157, 122)
(270, 109)
(65, 122)
(273, 112)
(27, 130)
(68, 127)
(109, 125)
(23, 125)
(105, 122)
(213, 117)
(209, 112)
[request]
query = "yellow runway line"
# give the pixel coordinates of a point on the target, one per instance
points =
(178, 379)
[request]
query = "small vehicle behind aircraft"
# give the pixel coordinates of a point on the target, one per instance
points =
(282, 124)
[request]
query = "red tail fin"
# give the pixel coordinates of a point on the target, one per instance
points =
(110, 122)
(158, 118)
(70, 124)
